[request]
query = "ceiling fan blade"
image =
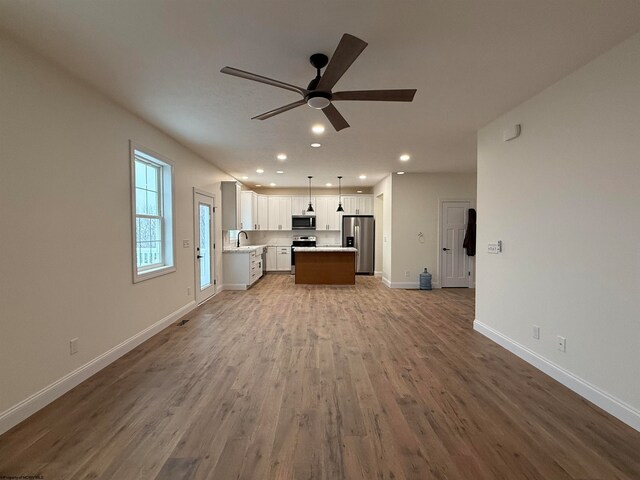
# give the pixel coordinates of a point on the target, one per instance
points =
(336, 119)
(259, 78)
(376, 95)
(348, 50)
(278, 110)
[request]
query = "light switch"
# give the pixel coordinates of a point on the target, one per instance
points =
(495, 247)
(186, 243)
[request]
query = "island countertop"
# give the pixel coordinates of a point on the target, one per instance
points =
(325, 249)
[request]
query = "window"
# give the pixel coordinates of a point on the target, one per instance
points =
(152, 214)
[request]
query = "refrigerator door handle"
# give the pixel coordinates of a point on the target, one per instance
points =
(356, 240)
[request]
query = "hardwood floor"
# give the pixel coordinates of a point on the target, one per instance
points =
(300, 382)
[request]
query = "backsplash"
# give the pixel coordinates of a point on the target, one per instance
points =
(264, 237)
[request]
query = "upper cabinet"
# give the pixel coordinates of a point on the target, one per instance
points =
(255, 210)
(263, 213)
(231, 209)
(326, 216)
(299, 205)
(279, 211)
(249, 210)
(357, 204)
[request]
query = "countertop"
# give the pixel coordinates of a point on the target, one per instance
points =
(325, 249)
(243, 249)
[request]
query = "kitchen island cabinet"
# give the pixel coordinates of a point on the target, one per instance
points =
(325, 265)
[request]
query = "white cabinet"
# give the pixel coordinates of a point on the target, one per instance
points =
(263, 213)
(231, 209)
(279, 213)
(299, 205)
(249, 218)
(357, 204)
(278, 259)
(327, 218)
(242, 269)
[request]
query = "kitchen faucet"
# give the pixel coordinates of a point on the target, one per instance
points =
(245, 236)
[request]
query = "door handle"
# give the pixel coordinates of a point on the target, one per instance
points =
(446, 249)
(198, 256)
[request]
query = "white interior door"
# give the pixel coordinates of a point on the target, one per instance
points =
(203, 246)
(454, 262)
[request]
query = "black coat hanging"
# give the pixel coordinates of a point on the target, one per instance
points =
(469, 243)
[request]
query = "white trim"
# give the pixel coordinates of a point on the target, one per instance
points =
(30, 405)
(168, 215)
(219, 288)
(377, 274)
(386, 281)
(609, 403)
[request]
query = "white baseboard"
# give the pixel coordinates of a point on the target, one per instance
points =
(386, 282)
(27, 407)
(377, 274)
(602, 399)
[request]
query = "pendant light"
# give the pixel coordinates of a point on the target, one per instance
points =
(340, 209)
(310, 208)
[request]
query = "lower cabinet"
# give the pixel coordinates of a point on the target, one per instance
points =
(279, 259)
(242, 269)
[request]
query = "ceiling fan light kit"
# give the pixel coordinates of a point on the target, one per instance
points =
(318, 93)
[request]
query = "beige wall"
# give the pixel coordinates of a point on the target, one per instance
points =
(65, 220)
(565, 200)
(416, 205)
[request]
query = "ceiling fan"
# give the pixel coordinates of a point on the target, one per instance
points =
(318, 93)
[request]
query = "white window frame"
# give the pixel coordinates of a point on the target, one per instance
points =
(167, 213)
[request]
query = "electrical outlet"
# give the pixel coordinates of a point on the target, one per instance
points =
(536, 332)
(73, 346)
(407, 273)
(562, 344)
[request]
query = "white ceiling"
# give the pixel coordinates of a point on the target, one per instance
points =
(470, 61)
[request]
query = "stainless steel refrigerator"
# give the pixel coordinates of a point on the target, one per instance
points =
(359, 231)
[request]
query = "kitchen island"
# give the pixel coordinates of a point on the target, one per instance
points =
(325, 265)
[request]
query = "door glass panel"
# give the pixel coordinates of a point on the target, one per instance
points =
(205, 246)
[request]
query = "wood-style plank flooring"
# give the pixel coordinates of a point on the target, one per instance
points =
(314, 382)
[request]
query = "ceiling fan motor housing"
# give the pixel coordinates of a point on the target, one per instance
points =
(318, 99)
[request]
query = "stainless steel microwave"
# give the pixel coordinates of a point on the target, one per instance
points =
(303, 222)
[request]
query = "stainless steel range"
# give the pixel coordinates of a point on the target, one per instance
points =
(300, 241)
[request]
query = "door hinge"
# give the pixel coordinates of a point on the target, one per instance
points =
(215, 282)
(214, 209)
(214, 246)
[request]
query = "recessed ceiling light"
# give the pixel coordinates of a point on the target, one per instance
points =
(400, 173)
(362, 177)
(404, 157)
(329, 184)
(316, 145)
(317, 129)
(281, 156)
(358, 191)
(279, 171)
(258, 185)
(245, 178)
(259, 170)
(272, 184)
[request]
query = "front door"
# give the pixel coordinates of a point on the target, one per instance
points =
(203, 246)
(454, 261)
